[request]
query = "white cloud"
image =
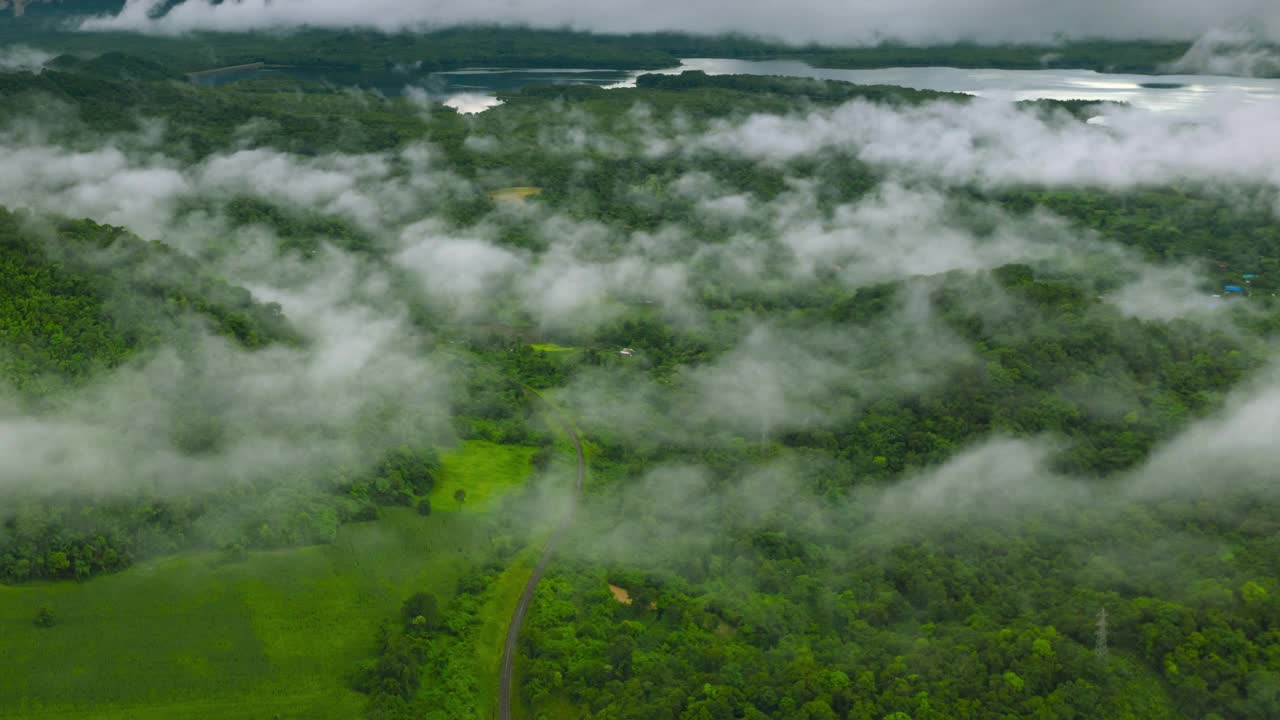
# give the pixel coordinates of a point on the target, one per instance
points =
(279, 412)
(139, 190)
(461, 270)
(992, 143)
(1229, 52)
(21, 57)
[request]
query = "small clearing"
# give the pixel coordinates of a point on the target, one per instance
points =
(620, 594)
(515, 194)
(484, 470)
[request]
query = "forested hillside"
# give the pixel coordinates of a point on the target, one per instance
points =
(872, 427)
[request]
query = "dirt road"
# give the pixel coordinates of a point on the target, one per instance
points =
(505, 681)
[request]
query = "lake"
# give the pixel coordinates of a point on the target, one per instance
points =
(1189, 95)
(474, 90)
(469, 90)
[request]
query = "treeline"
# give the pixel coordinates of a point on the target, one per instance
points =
(815, 90)
(69, 536)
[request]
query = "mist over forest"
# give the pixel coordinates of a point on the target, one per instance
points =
(783, 397)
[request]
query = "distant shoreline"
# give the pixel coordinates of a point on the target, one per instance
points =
(235, 68)
(229, 68)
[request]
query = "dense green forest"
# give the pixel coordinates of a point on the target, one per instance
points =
(860, 445)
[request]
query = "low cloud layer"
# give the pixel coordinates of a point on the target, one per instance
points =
(992, 144)
(1227, 52)
(20, 57)
(139, 189)
(359, 363)
(1228, 452)
(208, 414)
(902, 228)
(825, 21)
(681, 511)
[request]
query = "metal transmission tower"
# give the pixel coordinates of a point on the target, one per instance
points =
(1100, 637)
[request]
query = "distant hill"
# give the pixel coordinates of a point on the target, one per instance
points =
(115, 66)
(48, 8)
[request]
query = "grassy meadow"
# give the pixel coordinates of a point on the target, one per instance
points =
(552, 348)
(484, 470)
(273, 636)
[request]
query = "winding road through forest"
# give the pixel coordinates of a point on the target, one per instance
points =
(505, 681)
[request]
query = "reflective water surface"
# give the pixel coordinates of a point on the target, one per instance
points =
(1189, 94)
(475, 89)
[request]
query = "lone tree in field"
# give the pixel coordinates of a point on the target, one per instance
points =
(44, 617)
(460, 495)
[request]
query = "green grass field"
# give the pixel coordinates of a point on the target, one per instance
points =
(485, 470)
(274, 636)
